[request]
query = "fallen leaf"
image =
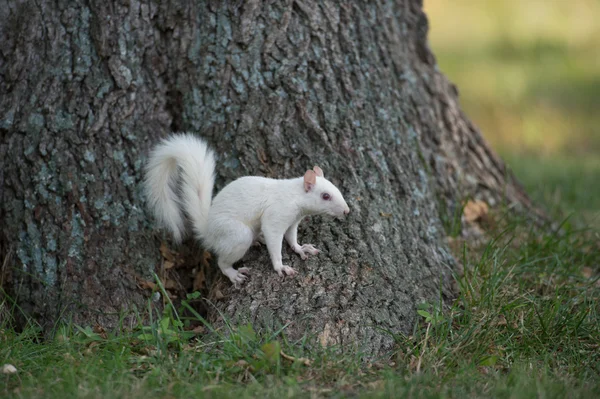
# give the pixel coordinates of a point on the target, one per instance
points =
(98, 329)
(209, 387)
(241, 363)
(318, 390)
(169, 264)
(206, 257)
(587, 272)
(68, 357)
(378, 365)
(170, 284)
(385, 215)
(413, 363)
(474, 210)
(198, 330)
(199, 280)
(303, 360)
(501, 321)
(9, 369)
(166, 252)
(147, 285)
(376, 385)
(219, 294)
(324, 336)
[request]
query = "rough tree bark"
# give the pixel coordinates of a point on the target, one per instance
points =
(276, 87)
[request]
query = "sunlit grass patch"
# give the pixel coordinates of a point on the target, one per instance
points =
(528, 71)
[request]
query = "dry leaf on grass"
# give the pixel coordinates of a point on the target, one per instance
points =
(241, 363)
(474, 210)
(303, 360)
(98, 329)
(9, 369)
(500, 321)
(413, 363)
(199, 330)
(376, 385)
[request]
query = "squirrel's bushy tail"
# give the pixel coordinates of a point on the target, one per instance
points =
(189, 157)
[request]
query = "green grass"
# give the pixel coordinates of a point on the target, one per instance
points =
(526, 323)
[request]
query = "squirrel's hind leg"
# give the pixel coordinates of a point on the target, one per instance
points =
(231, 246)
(238, 276)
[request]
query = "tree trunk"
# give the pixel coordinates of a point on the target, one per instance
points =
(276, 87)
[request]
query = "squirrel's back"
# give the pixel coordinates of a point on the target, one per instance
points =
(246, 198)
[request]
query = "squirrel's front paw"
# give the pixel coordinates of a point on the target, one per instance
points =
(310, 249)
(285, 269)
(304, 250)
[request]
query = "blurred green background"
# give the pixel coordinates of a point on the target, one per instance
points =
(528, 74)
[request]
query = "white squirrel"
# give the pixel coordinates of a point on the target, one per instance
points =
(241, 211)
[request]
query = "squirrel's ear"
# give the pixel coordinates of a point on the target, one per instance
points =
(310, 179)
(318, 171)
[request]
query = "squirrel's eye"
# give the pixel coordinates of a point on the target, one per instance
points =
(326, 196)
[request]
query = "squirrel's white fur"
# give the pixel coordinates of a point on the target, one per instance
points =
(241, 211)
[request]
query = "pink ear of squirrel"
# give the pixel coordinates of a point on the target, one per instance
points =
(310, 179)
(318, 171)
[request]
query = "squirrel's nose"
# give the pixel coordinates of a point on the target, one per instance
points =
(346, 211)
